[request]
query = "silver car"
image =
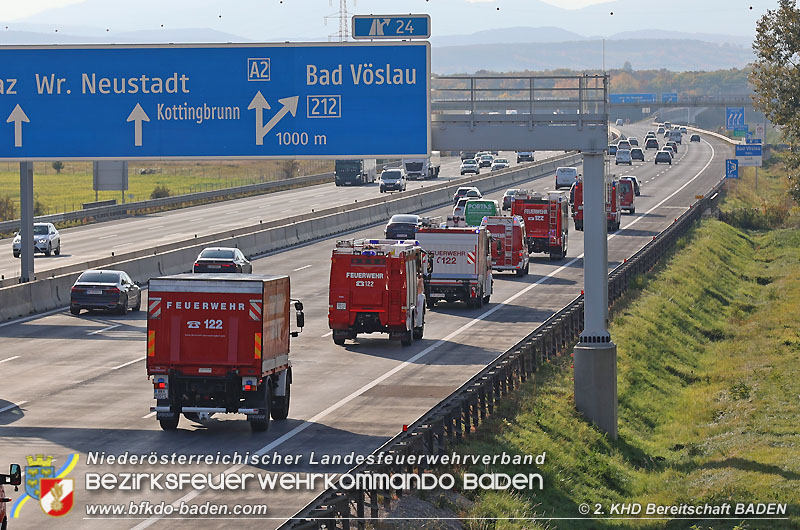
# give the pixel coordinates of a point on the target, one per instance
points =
(46, 240)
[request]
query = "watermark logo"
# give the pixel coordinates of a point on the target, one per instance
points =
(56, 499)
(48, 485)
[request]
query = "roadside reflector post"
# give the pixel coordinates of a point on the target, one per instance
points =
(595, 358)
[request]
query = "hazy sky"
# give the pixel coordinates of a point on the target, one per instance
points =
(15, 9)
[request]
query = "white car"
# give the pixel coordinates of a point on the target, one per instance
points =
(524, 156)
(566, 176)
(459, 208)
(46, 240)
(623, 156)
(470, 165)
(499, 163)
(393, 180)
(618, 122)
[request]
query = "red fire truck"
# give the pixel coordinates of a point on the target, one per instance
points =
(546, 219)
(377, 286)
(613, 210)
(219, 343)
(460, 261)
(509, 250)
(626, 195)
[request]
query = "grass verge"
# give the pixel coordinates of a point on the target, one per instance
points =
(709, 393)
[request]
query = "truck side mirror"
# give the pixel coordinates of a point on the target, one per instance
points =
(16, 474)
(298, 305)
(301, 319)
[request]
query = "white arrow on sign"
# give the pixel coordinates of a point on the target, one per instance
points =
(138, 115)
(259, 104)
(18, 116)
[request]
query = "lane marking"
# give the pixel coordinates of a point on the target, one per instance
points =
(344, 401)
(14, 406)
(156, 227)
(328, 334)
(10, 359)
(107, 237)
(149, 415)
(104, 329)
(301, 268)
(123, 365)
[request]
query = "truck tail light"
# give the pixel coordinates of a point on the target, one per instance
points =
(160, 387)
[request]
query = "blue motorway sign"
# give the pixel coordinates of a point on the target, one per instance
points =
(669, 97)
(215, 101)
(734, 117)
(631, 98)
(391, 26)
(747, 150)
(731, 168)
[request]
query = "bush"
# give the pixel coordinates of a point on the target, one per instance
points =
(160, 191)
(771, 216)
(7, 209)
(38, 207)
(289, 168)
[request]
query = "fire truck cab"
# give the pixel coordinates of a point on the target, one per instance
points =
(546, 219)
(377, 286)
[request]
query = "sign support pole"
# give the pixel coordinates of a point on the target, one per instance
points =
(595, 356)
(26, 220)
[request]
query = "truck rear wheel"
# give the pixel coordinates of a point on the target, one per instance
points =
(280, 405)
(262, 425)
(338, 337)
(167, 424)
(408, 338)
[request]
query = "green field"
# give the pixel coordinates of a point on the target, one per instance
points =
(67, 190)
(709, 393)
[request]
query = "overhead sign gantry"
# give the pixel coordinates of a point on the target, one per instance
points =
(215, 101)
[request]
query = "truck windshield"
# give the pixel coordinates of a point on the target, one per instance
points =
(413, 166)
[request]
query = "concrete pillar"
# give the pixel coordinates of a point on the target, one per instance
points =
(595, 355)
(26, 220)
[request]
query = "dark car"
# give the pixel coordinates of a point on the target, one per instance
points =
(222, 259)
(633, 141)
(402, 226)
(673, 145)
(663, 156)
(507, 196)
(105, 289)
(612, 149)
(637, 154)
(651, 143)
(694, 138)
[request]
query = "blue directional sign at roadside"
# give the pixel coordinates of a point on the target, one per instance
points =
(632, 98)
(670, 97)
(731, 168)
(215, 101)
(391, 26)
(749, 154)
(734, 117)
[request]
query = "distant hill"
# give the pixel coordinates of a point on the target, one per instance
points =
(642, 54)
(92, 36)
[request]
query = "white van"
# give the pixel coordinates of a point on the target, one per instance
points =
(566, 176)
